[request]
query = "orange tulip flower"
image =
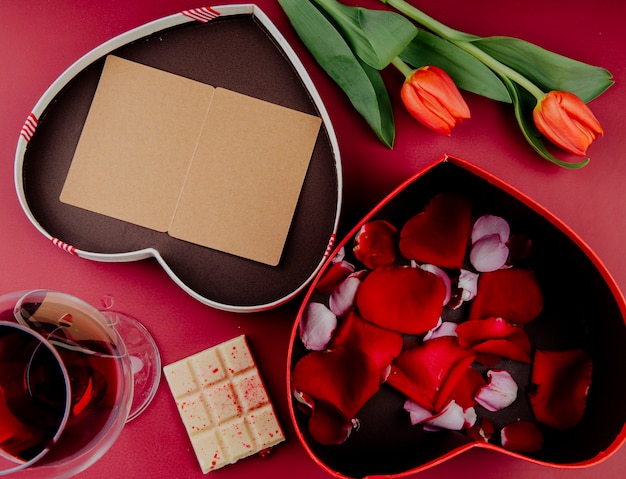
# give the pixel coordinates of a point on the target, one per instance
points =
(566, 121)
(431, 96)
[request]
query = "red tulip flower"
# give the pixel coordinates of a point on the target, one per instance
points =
(567, 121)
(431, 96)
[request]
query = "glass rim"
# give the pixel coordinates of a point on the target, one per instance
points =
(66, 306)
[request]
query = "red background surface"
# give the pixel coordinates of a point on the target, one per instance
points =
(39, 40)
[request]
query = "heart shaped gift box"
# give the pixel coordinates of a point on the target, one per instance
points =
(233, 47)
(582, 309)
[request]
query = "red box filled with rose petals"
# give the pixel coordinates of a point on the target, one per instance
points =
(458, 313)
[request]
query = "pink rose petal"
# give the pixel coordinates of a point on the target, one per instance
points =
(488, 225)
(453, 418)
(317, 326)
(417, 413)
(500, 392)
(489, 253)
(343, 297)
(444, 328)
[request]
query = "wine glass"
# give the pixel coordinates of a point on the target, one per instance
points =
(69, 381)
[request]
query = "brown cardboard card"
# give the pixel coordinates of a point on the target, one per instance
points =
(138, 139)
(209, 166)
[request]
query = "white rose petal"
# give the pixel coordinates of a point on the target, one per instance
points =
(500, 392)
(489, 254)
(488, 225)
(468, 283)
(443, 328)
(317, 326)
(344, 295)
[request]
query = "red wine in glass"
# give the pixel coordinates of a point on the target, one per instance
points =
(34, 395)
(66, 396)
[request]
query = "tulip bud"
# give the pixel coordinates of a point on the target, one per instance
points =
(567, 121)
(431, 96)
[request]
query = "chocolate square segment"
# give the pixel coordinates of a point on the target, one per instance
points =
(223, 404)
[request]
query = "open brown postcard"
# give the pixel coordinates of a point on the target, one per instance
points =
(206, 165)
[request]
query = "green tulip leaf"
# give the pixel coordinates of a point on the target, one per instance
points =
(467, 72)
(363, 85)
(387, 128)
(522, 105)
(375, 36)
(548, 70)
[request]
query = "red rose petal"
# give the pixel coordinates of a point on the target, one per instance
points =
(521, 436)
(482, 430)
(429, 372)
(375, 244)
(326, 426)
(512, 294)
(382, 345)
(333, 276)
(440, 233)
(343, 378)
(560, 381)
(467, 388)
(488, 360)
(401, 298)
(494, 337)
(519, 248)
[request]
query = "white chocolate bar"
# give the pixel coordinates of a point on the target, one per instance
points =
(223, 403)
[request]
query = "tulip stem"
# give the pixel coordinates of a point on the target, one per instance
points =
(405, 69)
(464, 41)
(423, 19)
(502, 69)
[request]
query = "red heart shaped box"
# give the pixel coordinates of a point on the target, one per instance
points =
(583, 307)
